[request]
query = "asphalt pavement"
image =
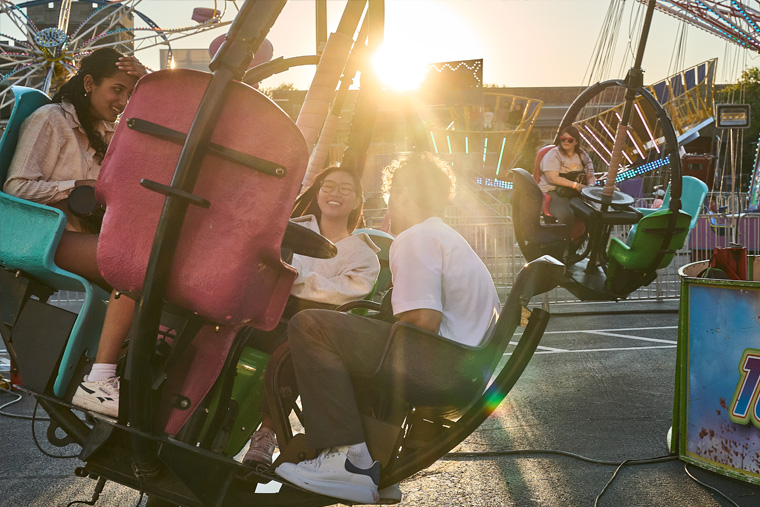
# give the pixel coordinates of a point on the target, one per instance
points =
(600, 386)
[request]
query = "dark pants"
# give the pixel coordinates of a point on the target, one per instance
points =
(560, 209)
(270, 341)
(328, 348)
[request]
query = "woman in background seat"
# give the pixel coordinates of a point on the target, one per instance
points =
(565, 157)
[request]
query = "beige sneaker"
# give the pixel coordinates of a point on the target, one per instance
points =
(263, 442)
(101, 396)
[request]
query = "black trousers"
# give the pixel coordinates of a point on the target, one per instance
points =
(269, 341)
(328, 348)
(561, 210)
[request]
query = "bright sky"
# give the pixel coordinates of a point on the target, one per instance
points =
(522, 42)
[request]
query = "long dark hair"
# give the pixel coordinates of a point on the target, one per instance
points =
(575, 134)
(100, 64)
(307, 203)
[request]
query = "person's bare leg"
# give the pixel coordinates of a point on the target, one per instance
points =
(77, 252)
(116, 326)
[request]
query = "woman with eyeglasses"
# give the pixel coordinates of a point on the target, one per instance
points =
(331, 206)
(565, 158)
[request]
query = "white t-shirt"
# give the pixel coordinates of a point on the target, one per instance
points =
(434, 268)
(556, 160)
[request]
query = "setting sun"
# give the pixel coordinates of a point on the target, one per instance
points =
(420, 33)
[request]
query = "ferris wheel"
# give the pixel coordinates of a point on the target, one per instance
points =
(44, 58)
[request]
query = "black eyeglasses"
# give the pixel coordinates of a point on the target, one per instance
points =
(328, 186)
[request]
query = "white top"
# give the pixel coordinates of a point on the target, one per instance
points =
(434, 268)
(556, 160)
(52, 153)
(349, 276)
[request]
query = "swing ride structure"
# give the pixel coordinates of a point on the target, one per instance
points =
(188, 147)
(642, 135)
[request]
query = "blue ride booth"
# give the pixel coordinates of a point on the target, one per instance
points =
(716, 415)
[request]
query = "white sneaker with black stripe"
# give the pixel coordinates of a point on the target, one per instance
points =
(332, 474)
(101, 396)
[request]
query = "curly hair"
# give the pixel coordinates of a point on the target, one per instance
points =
(429, 180)
(307, 203)
(100, 64)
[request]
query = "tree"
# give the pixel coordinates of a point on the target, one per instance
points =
(745, 91)
(269, 91)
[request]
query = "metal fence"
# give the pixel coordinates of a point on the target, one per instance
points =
(494, 241)
(492, 237)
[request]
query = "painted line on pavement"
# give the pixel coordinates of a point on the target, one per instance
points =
(641, 338)
(612, 349)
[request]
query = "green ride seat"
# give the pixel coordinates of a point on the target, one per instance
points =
(383, 241)
(631, 266)
(29, 236)
(692, 199)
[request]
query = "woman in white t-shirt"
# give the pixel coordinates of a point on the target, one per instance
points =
(565, 157)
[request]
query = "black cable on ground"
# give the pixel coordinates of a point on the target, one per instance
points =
(596, 500)
(619, 465)
(16, 416)
(34, 437)
(95, 494)
(686, 469)
(513, 452)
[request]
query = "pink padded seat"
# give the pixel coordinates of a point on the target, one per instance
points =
(227, 267)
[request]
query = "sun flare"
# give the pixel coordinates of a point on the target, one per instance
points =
(418, 33)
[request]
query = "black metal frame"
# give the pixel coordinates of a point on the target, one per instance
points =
(581, 280)
(167, 468)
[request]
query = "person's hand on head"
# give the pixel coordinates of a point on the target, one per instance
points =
(131, 66)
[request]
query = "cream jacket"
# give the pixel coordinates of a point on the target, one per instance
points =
(348, 276)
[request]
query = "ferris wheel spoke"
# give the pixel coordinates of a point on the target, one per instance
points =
(17, 16)
(107, 22)
(14, 61)
(48, 81)
(157, 39)
(42, 58)
(24, 74)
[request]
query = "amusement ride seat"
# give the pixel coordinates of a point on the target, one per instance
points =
(29, 236)
(693, 195)
(634, 265)
(534, 237)
(227, 269)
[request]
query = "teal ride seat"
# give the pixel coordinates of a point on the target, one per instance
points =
(632, 266)
(29, 235)
(383, 241)
(692, 199)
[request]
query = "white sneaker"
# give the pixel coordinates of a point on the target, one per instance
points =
(332, 474)
(101, 396)
(262, 446)
(390, 495)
